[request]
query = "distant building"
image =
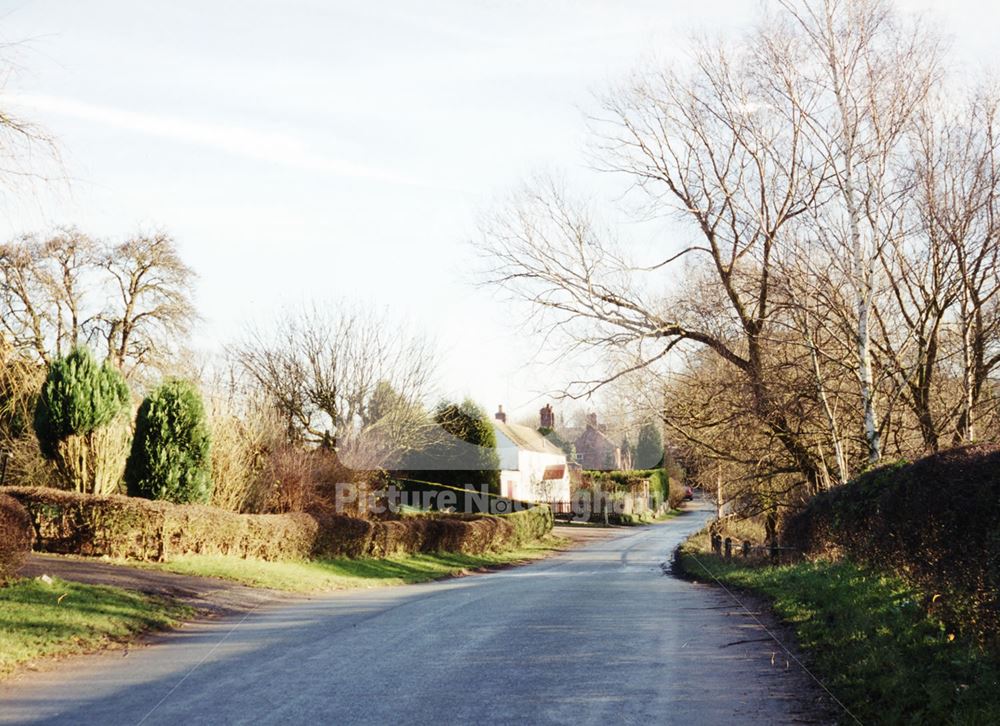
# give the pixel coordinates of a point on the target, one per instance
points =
(594, 450)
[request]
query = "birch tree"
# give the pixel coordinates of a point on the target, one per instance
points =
(872, 73)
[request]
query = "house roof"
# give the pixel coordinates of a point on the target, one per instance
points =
(525, 437)
(590, 433)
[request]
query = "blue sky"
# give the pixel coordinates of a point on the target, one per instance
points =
(316, 150)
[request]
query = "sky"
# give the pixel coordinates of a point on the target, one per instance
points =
(318, 151)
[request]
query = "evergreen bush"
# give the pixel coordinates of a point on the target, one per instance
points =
(649, 449)
(170, 458)
(79, 401)
(464, 454)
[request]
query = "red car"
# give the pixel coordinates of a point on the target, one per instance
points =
(688, 494)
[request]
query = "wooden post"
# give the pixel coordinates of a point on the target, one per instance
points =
(729, 548)
(717, 544)
(718, 493)
(746, 548)
(774, 549)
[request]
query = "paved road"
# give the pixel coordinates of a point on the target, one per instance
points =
(597, 635)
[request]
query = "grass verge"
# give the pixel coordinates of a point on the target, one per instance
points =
(869, 639)
(344, 574)
(66, 618)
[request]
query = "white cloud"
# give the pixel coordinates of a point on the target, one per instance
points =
(275, 148)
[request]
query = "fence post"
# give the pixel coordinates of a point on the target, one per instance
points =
(774, 549)
(746, 548)
(717, 544)
(729, 548)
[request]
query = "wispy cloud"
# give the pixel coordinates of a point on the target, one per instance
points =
(275, 148)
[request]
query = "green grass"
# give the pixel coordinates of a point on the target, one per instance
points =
(871, 641)
(343, 574)
(64, 618)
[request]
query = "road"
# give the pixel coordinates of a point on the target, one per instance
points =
(595, 635)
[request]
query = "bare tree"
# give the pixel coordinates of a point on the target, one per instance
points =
(958, 176)
(152, 308)
(345, 379)
(872, 74)
(133, 298)
(46, 289)
(29, 155)
(723, 150)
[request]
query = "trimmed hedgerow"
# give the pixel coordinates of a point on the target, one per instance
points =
(15, 537)
(142, 529)
(936, 522)
(530, 524)
(170, 449)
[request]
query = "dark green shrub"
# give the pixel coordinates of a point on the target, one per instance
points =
(649, 449)
(530, 524)
(464, 454)
(461, 500)
(15, 537)
(78, 399)
(568, 447)
(895, 519)
(170, 448)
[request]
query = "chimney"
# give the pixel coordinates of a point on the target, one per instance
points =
(592, 420)
(547, 417)
(500, 415)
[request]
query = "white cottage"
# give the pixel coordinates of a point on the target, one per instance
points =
(532, 468)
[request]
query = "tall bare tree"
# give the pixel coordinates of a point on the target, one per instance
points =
(871, 73)
(343, 378)
(153, 308)
(134, 299)
(725, 151)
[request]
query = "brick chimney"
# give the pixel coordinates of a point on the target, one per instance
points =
(547, 417)
(500, 415)
(592, 420)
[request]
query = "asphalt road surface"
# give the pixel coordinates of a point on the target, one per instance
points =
(597, 635)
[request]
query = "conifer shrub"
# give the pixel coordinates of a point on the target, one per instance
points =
(80, 421)
(170, 458)
(463, 453)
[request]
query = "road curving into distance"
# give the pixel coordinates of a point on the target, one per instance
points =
(596, 635)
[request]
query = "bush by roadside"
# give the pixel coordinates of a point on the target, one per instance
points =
(15, 537)
(868, 638)
(139, 529)
(665, 489)
(935, 522)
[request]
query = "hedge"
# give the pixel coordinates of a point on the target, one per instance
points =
(662, 487)
(464, 500)
(15, 537)
(935, 522)
(133, 528)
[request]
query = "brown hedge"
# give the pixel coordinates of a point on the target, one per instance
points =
(15, 537)
(935, 522)
(134, 528)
